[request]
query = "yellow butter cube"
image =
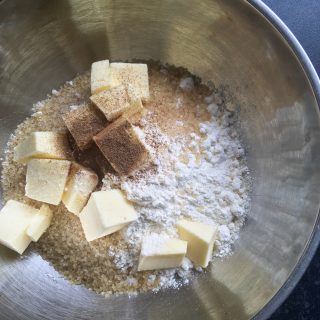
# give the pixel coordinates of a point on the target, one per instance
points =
(106, 212)
(161, 252)
(45, 144)
(117, 101)
(200, 238)
(46, 179)
(39, 223)
(134, 74)
(100, 76)
(81, 183)
(15, 217)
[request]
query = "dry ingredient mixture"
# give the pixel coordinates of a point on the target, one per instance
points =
(198, 171)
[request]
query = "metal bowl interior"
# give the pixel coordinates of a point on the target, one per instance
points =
(45, 43)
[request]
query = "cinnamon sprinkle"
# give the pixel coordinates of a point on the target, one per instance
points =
(83, 123)
(121, 147)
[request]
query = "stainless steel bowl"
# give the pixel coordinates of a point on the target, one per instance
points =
(240, 45)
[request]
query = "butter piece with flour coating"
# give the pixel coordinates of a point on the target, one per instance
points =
(15, 218)
(45, 145)
(161, 252)
(81, 183)
(106, 212)
(39, 223)
(200, 238)
(46, 179)
(100, 76)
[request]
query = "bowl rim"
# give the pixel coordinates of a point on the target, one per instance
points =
(314, 240)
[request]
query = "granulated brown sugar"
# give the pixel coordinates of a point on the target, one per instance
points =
(102, 265)
(170, 104)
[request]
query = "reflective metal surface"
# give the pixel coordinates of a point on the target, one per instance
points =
(44, 43)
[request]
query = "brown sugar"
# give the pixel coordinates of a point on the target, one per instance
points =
(116, 101)
(122, 147)
(83, 123)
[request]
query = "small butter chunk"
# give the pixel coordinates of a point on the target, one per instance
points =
(39, 223)
(134, 74)
(46, 179)
(200, 238)
(83, 123)
(134, 114)
(80, 185)
(122, 147)
(15, 218)
(161, 252)
(116, 101)
(106, 212)
(46, 144)
(100, 76)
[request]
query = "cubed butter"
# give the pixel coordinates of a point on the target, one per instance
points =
(200, 238)
(161, 252)
(134, 74)
(15, 217)
(116, 101)
(106, 212)
(122, 147)
(134, 114)
(46, 144)
(83, 123)
(100, 76)
(39, 223)
(46, 179)
(81, 183)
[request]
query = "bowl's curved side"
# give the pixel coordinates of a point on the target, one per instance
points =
(313, 244)
(228, 41)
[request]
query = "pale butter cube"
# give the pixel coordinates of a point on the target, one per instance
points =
(81, 183)
(100, 76)
(161, 252)
(43, 144)
(134, 74)
(39, 223)
(15, 218)
(106, 212)
(46, 179)
(116, 101)
(200, 238)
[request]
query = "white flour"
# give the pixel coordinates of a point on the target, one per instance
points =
(202, 177)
